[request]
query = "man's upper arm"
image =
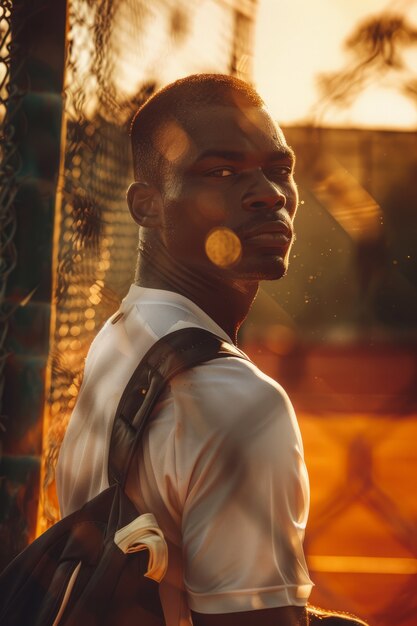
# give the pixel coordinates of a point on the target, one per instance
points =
(280, 616)
(243, 492)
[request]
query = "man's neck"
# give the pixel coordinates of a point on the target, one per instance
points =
(226, 302)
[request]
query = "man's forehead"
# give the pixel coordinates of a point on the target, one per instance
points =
(219, 127)
(247, 120)
(276, 129)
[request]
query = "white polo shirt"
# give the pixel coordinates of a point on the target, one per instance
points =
(221, 465)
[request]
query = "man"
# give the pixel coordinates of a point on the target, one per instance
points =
(221, 465)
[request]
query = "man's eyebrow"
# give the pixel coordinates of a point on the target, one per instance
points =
(284, 152)
(228, 155)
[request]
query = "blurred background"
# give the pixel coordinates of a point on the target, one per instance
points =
(339, 332)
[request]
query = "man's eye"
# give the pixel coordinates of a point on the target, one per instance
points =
(221, 172)
(282, 171)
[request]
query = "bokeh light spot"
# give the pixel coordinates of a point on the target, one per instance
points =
(172, 141)
(63, 330)
(55, 408)
(223, 247)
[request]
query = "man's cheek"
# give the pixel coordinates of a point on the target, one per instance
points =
(210, 208)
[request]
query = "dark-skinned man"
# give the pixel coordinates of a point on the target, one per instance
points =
(221, 466)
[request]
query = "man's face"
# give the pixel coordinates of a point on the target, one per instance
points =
(229, 171)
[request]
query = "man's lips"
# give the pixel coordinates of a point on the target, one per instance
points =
(276, 233)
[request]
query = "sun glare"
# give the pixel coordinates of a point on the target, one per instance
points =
(297, 42)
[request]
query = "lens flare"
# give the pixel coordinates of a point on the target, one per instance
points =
(223, 247)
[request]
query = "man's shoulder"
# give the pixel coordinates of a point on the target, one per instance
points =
(229, 369)
(231, 385)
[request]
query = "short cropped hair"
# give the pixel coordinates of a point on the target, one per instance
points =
(179, 102)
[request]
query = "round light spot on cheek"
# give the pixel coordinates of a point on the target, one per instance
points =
(223, 247)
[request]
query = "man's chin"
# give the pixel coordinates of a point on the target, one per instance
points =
(275, 276)
(268, 269)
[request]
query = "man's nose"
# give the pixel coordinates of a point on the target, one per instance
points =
(263, 194)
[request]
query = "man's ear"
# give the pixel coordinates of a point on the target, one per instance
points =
(144, 202)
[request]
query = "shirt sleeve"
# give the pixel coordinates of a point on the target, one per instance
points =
(243, 489)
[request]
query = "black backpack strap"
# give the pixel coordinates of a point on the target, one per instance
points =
(172, 354)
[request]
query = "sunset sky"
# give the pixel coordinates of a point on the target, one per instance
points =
(296, 40)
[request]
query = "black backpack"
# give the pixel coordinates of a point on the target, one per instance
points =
(75, 574)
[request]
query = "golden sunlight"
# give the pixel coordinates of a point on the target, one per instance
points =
(303, 48)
